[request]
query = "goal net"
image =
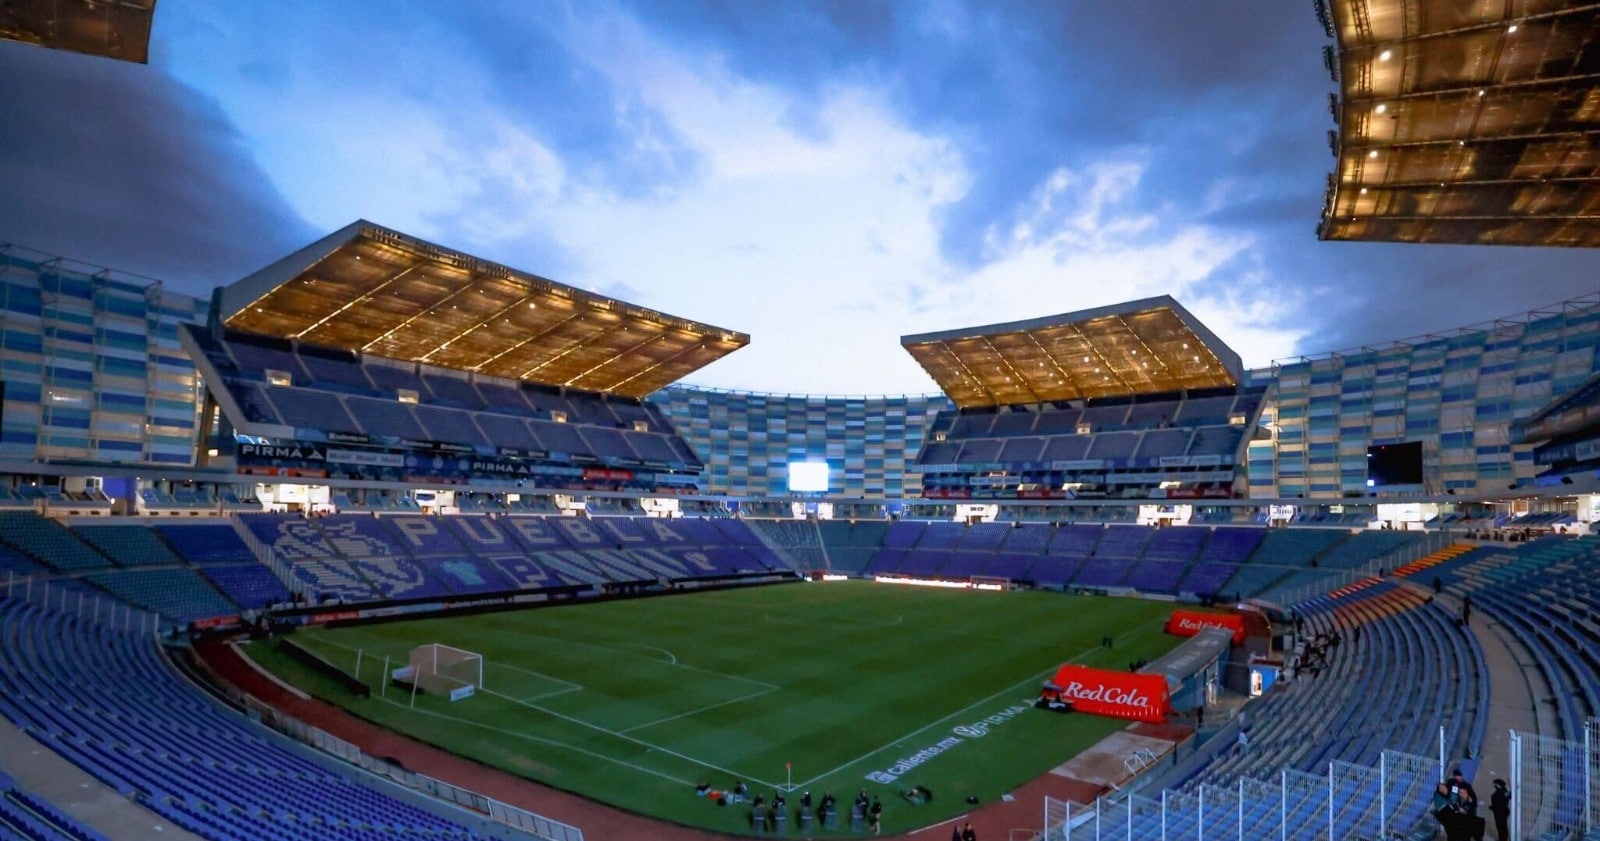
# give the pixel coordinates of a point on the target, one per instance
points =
(449, 672)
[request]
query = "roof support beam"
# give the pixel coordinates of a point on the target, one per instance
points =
(362, 298)
(472, 282)
(577, 313)
(1015, 374)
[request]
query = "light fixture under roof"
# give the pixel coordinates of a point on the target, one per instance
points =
(1381, 108)
(1511, 30)
(1373, 153)
(1385, 55)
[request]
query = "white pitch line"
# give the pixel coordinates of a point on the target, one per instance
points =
(705, 708)
(761, 683)
(608, 731)
(936, 722)
(571, 687)
(540, 740)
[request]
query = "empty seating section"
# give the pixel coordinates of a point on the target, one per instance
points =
(503, 397)
(453, 391)
(1281, 553)
(1113, 446)
(205, 543)
(365, 557)
(1013, 423)
(14, 563)
(179, 595)
(256, 359)
(1546, 593)
(128, 545)
(981, 450)
(1333, 567)
(307, 408)
(1221, 557)
(1120, 445)
(451, 426)
(1204, 411)
(1021, 450)
(508, 431)
(249, 585)
(385, 418)
(607, 444)
(109, 703)
(1353, 710)
(332, 392)
(48, 542)
(560, 438)
(391, 379)
(253, 400)
(1216, 441)
(334, 368)
(1163, 443)
(652, 448)
(24, 815)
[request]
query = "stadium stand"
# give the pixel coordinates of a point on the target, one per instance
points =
(26, 816)
(110, 703)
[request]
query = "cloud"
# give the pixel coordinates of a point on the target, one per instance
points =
(117, 164)
(827, 176)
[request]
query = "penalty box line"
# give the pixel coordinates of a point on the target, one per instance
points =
(623, 736)
(706, 708)
(981, 701)
(555, 743)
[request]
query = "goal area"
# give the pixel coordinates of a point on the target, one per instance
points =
(443, 670)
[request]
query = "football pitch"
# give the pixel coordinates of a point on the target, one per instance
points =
(819, 687)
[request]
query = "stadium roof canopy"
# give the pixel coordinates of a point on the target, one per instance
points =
(108, 28)
(1464, 121)
(370, 289)
(1148, 346)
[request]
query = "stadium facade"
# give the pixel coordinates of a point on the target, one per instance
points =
(94, 373)
(92, 367)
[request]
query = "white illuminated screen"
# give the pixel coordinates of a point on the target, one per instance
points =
(808, 477)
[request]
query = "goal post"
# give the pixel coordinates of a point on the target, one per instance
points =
(990, 582)
(444, 670)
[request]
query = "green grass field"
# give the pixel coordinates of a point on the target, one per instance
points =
(810, 685)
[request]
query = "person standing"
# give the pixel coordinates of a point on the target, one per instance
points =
(967, 833)
(875, 816)
(1500, 807)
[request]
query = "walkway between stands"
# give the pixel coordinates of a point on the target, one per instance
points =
(39, 770)
(1516, 684)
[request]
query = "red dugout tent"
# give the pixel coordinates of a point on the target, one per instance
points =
(1139, 697)
(1187, 623)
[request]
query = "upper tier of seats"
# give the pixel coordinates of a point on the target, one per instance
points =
(335, 392)
(1127, 434)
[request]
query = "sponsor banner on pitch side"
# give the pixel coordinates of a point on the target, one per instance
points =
(1140, 697)
(1187, 623)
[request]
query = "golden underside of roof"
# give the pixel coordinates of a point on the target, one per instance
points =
(1464, 121)
(383, 295)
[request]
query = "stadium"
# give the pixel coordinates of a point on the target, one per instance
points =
(389, 540)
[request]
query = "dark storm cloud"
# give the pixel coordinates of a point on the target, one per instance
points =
(1226, 104)
(605, 134)
(117, 164)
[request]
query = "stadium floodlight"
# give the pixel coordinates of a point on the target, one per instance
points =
(446, 671)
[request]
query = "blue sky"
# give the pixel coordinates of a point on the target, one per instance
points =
(826, 176)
